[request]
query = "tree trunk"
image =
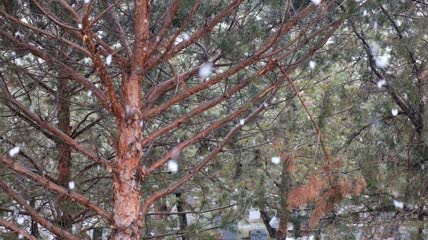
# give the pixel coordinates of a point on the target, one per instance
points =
(182, 216)
(64, 218)
(126, 181)
(126, 190)
(34, 226)
(266, 220)
(281, 234)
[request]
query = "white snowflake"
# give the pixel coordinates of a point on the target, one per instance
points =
(242, 122)
(382, 61)
(18, 61)
(18, 34)
(312, 64)
(129, 110)
(87, 1)
(381, 83)
(172, 166)
(316, 2)
(398, 204)
(14, 151)
(20, 236)
(274, 222)
(276, 160)
(394, 112)
(71, 185)
(186, 37)
(20, 220)
(374, 48)
(89, 93)
(86, 60)
(109, 59)
(205, 70)
(80, 26)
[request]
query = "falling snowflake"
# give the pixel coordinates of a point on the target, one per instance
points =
(87, 1)
(394, 112)
(382, 61)
(129, 110)
(18, 61)
(242, 122)
(71, 185)
(374, 48)
(14, 151)
(79, 26)
(172, 166)
(274, 222)
(86, 60)
(108, 59)
(20, 236)
(186, 37)
(20, 220)
(316, 2)
(276, 160)
(381, 83)
(312, 64)
(18, 34)
(89, 93)
(205, 70)
(398, 204)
